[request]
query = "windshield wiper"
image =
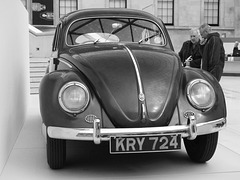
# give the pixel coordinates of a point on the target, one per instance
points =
(147, 38)
(96, 41)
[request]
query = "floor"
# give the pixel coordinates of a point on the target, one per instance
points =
(86, 161)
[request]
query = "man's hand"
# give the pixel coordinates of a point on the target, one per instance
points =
(187, 61)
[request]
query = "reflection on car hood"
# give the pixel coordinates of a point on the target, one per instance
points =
(119, 73)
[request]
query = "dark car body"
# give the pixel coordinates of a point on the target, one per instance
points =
(114, 76)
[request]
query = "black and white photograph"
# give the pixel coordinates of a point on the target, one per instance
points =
(120, 89)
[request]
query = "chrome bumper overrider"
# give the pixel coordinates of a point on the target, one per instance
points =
(97, 134)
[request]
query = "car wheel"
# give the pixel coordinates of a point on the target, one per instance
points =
(56, 152)
(202, 148)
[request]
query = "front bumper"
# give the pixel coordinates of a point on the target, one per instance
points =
(97, 134)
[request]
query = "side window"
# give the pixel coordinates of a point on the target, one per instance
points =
(53, 61)
(56, 38)
(147, 32)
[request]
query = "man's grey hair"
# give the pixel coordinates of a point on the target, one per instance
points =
(206, 27)
(195, 31)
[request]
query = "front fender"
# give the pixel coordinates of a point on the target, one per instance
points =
(216, 112)
(51, 111)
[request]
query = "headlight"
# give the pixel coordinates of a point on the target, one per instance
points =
(73, 97)
(201, 94)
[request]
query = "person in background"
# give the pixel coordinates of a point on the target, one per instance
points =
(236, 51)
(213, 53)
(190, 51)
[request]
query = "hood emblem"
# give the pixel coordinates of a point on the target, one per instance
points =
(90, 118)
(141, 97)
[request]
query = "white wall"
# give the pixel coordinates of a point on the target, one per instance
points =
(92, 4)
(14, 74)
(40, 45)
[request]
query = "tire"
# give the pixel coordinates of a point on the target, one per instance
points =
(202, 148)
(56, 153)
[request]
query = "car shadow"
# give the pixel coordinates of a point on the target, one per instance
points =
(86, 157)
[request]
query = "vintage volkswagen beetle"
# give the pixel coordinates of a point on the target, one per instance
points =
(114, 76)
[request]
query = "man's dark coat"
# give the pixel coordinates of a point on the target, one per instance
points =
(188, 50)
(213, 55)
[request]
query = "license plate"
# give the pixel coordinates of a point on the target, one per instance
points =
(143, 144)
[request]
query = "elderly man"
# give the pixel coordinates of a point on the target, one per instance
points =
(213, 53)
(190, 51)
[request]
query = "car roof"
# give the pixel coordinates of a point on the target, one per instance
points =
(113, 12)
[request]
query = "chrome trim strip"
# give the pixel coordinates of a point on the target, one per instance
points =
(144, 111)
(97, 134)
(141, 96)
(136, 70)
(64, 62)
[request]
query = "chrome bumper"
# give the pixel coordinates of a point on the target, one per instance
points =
(97, 134)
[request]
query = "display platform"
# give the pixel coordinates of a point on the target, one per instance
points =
(232, 67)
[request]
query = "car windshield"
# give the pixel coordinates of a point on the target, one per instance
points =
(106, 30)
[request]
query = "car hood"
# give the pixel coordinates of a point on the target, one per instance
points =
(137, 85)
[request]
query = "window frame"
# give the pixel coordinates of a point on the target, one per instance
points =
(171, 17)
(56, 37)
(59, 7)
(117, 7)
(205, 17)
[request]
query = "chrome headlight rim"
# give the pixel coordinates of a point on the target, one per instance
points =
(67, 85)
(193, 103)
